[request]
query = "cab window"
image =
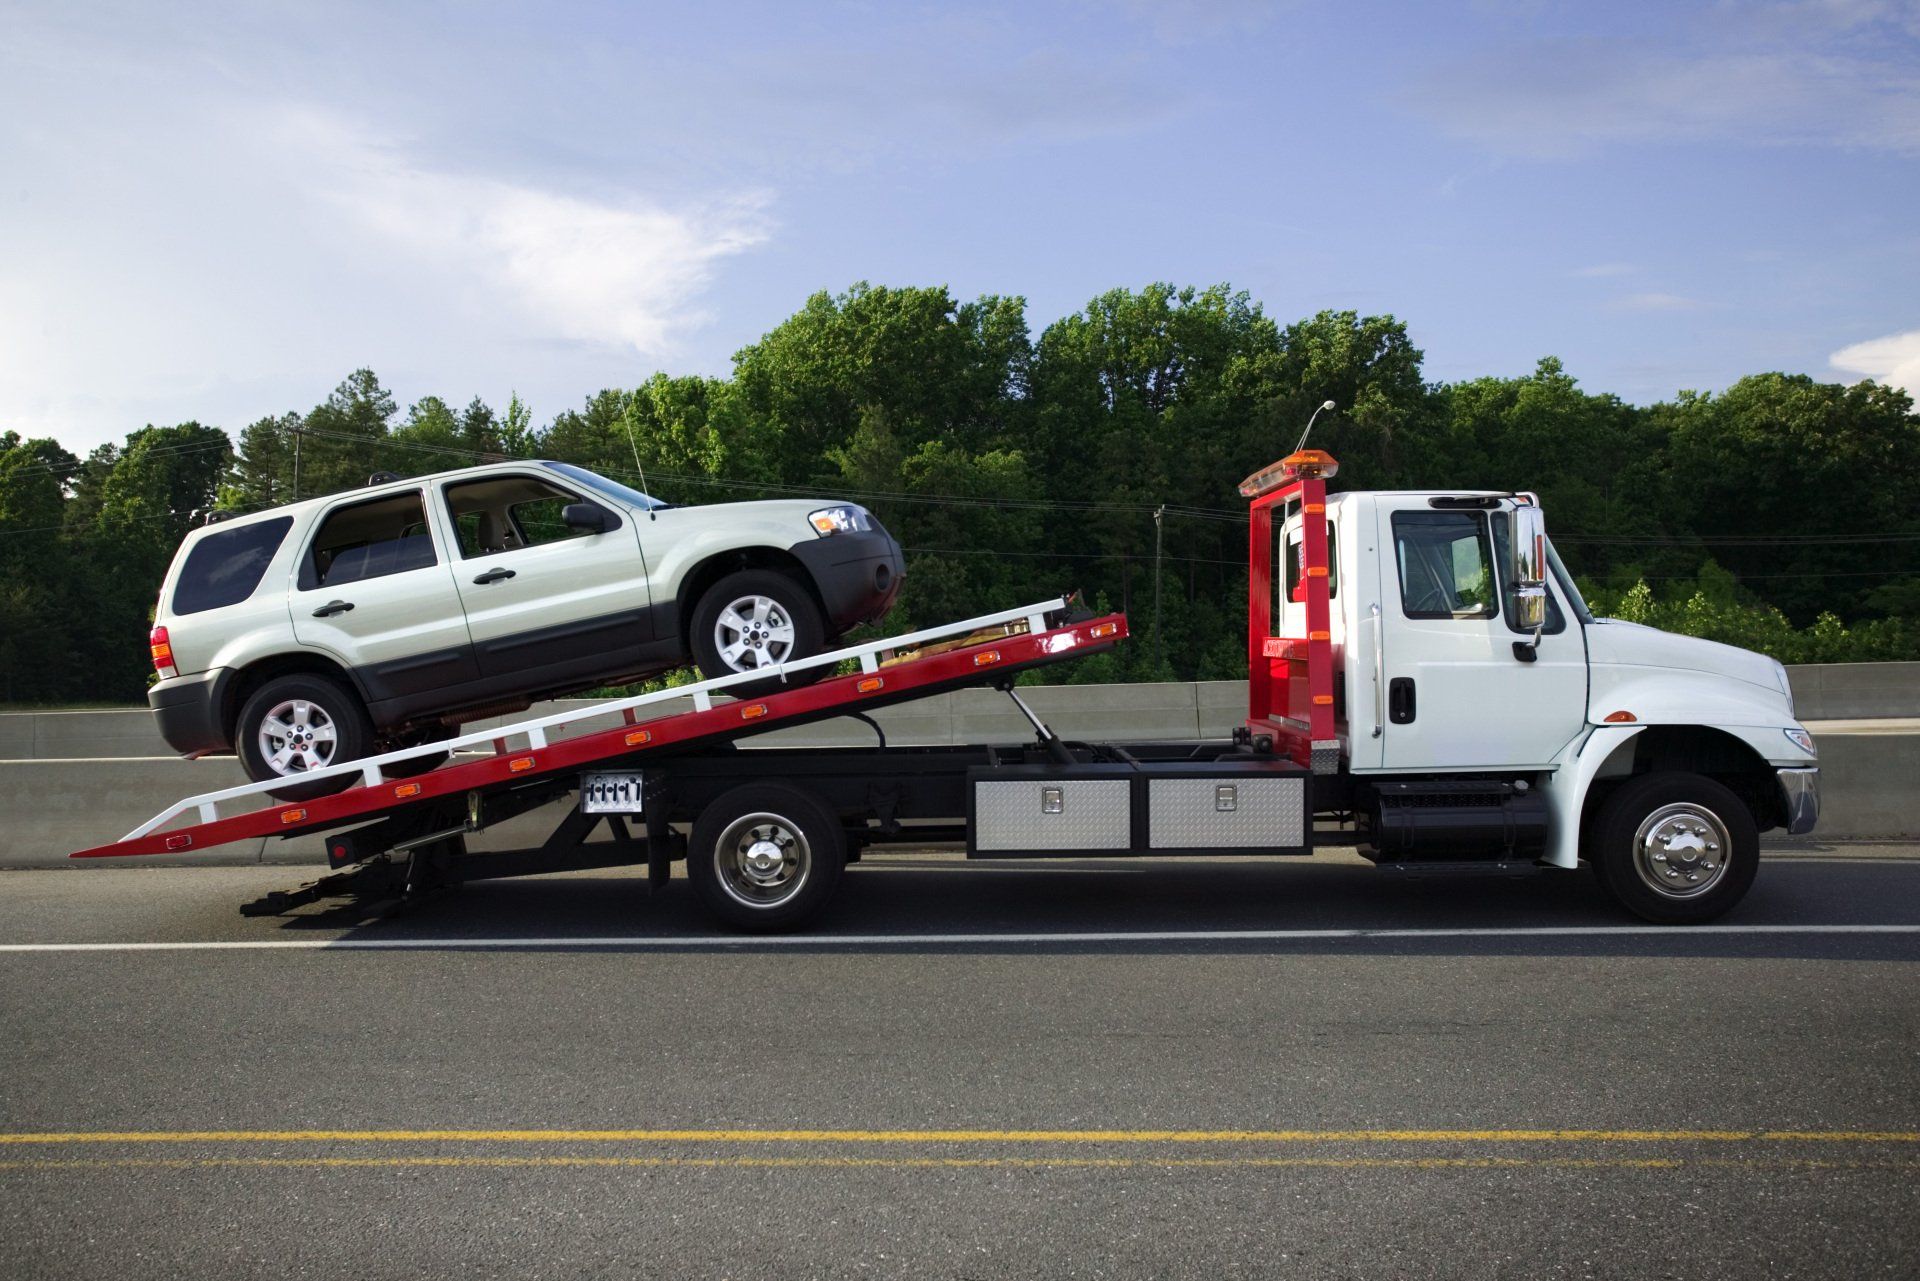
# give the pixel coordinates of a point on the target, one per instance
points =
(1289, 555)
(507, 513)
(368, 540)
(1446, 564)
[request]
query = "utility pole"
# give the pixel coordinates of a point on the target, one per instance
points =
(297, 434)
(1158, 513)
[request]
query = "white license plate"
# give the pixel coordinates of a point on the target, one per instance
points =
(611, 793)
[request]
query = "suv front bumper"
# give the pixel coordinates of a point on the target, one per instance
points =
(1800, 794)
(858, 574)
(187, 710)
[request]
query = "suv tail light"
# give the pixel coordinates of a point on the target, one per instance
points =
(162, 652)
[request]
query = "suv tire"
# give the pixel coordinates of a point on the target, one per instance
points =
(757, 616)
(315, 722)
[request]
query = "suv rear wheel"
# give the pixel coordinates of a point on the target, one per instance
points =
(293, 725)
(755, 619)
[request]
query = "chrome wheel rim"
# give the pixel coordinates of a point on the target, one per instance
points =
(1681, 850)
(753, 632)
(297, 736)
(763, 860)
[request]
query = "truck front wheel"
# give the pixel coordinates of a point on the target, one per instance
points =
(1674, 848)
(765, 856)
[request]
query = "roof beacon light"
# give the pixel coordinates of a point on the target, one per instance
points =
(1303, 464)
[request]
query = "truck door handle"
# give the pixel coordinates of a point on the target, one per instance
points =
(333, 607)
(494, 576)
(1400, 700)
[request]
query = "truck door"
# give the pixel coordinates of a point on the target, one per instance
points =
(1457, 695)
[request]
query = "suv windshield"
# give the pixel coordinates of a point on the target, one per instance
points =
(611, 488)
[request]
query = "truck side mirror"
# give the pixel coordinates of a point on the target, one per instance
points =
(1528, 574)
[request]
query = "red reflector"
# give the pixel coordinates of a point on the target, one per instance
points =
(1621, 718)
(987, 659)
(179, 842)
(293, 816)
(870, 684)
(405, 790)
(520, 764)
(1104, 629)
(753, 711)
(639, 736)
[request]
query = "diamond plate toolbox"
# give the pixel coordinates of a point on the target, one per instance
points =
(1237, 812)
(1052, 814)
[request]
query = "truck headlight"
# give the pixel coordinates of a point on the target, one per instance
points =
(1802, 740)
(839, 520)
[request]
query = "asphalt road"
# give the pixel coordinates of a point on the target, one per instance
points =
(1511, 1080)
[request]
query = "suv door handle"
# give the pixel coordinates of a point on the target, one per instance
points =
(494, 576)
(1400, 700)
(333, 607)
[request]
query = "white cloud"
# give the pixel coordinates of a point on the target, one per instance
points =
(620, 271)
(1894, 360)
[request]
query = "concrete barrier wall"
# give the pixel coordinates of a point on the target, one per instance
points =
(78, 778)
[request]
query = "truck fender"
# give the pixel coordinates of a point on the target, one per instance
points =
(1579, 764)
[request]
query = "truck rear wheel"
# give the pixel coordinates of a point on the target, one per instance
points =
(1675, 848)
(765, 856)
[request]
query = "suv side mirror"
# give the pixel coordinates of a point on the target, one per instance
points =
(588, 518)
(1528, 574)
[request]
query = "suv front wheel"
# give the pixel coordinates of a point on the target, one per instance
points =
(753, 620)
(293, 725)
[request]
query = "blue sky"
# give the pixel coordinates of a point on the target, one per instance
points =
(216, 211)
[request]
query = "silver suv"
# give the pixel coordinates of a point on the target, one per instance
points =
(324, 630)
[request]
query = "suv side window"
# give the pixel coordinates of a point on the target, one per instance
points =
(224, 567)
(506, 513)
(1446, 564)
(369, 540)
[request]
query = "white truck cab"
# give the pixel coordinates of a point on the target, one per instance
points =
(1477, 703)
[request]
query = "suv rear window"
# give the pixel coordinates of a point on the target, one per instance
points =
(224, 567)
(369, 540)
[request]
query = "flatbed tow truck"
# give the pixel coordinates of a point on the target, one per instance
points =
(1424, 684)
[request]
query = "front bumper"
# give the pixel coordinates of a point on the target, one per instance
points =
(187, 710)
(858, 574)
(1800, 796)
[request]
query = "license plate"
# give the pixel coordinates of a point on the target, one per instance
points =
(611, 793)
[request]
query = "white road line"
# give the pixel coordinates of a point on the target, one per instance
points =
(882, 940)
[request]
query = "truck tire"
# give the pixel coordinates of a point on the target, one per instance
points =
(754, 618)
(1677, 849)
(297, 723)
(765, 856)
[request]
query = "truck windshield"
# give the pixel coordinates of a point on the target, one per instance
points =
(1565, 580)
(611, 488)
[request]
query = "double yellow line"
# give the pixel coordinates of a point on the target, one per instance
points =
(965, 1136)
(1156, 1149)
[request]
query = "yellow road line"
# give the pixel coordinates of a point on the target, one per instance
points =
(909, 1163)
(963, 1136)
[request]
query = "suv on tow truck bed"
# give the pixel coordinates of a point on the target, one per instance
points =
(318, 632)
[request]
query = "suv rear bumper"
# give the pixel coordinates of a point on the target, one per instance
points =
(187, 710)
(858, 574)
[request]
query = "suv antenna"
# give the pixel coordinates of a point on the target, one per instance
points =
(626, 420)
(1325, 404)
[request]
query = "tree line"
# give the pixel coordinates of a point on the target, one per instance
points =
(1782, 514)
